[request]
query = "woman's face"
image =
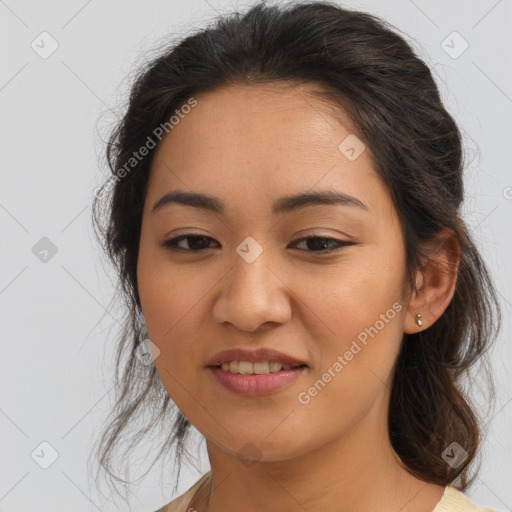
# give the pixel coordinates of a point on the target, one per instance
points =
(254, 282)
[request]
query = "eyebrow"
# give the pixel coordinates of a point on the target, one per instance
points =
(283, 205)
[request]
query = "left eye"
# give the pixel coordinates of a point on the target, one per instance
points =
(322, 241)
(319, 242)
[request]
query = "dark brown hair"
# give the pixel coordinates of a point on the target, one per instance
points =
(360, 63)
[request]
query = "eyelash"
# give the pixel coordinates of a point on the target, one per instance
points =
(171, 244)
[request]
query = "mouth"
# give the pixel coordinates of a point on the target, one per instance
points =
(242, 377)
(256, 368)
(255, 372)
(261, 360)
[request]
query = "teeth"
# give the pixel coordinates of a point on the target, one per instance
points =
(245, 368)
(275, 366)
(259, 368)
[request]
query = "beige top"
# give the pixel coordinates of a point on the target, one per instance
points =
(452, 500)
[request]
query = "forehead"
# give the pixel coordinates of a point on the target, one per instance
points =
(260, 141)
(238, 120)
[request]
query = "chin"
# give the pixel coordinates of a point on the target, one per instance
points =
(262, 447)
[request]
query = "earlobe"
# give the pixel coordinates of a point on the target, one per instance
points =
(435, 283)
(415, 319)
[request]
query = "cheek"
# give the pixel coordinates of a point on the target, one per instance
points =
(352, 295)
(168, 298)
(174, 314)
(360, 303)
(175, 310)
(364, 316)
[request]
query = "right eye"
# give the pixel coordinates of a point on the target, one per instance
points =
(199, 242)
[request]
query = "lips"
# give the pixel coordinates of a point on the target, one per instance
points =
(253, 356)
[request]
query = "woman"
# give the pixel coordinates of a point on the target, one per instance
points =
(285, 220)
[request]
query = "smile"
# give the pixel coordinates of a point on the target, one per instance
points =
(247, 382)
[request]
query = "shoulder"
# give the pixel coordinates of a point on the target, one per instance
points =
(181, 502)
(453, 500)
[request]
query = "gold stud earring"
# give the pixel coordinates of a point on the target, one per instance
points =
(419, 321)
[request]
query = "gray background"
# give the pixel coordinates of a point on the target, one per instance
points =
(57, 318)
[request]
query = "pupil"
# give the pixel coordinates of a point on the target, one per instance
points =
(198, 242)
(318, 243)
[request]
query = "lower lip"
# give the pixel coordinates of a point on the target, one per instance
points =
(256, 385)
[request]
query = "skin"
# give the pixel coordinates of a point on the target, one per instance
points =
(250, 145)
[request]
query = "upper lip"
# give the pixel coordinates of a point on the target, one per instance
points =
(253, 356)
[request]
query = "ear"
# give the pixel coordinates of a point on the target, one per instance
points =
(435, 282)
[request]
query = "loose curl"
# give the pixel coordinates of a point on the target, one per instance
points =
(358, 63)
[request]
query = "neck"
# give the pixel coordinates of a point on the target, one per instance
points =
(356, 471)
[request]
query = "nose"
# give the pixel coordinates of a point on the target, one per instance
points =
(252, 295)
